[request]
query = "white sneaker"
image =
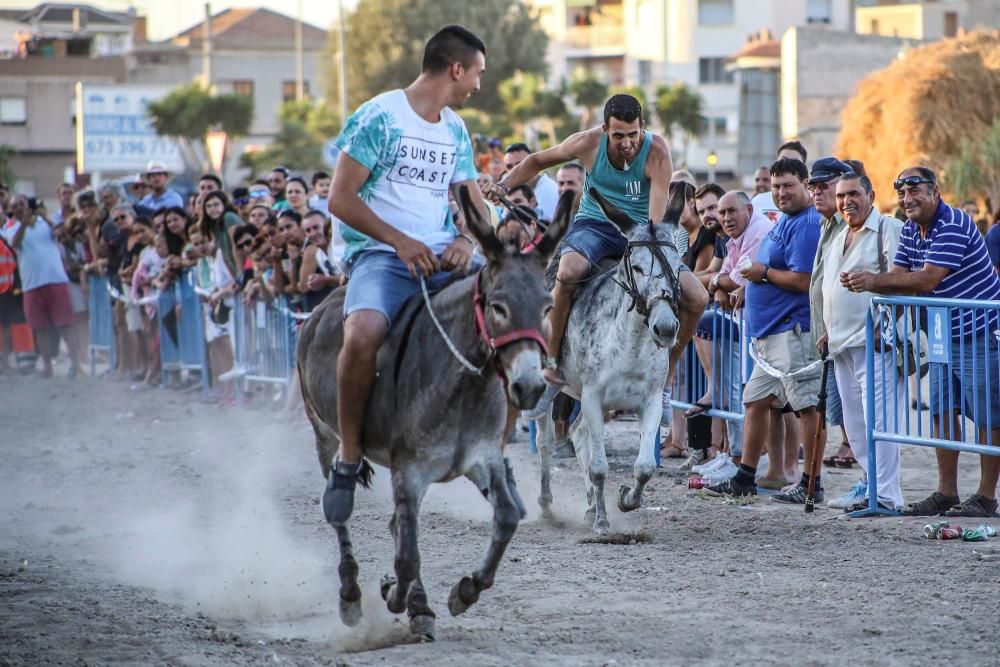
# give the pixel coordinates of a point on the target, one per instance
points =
(697, 457)
(727, 470)
(666, 410)
(854, 495)
(706, 468)
(233, 373)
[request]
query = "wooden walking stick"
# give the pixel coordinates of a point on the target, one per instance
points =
(819, 440)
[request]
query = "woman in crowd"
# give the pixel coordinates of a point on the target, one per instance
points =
(218, 222)
(136, 343)
(214, 279)
(259, 215)
(297, 196)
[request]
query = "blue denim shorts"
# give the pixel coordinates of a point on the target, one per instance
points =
(970, 384)
(380, 281)
(594, 239)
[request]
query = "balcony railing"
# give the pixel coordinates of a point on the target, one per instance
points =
(596, 37)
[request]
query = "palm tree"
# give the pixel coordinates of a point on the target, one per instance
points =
(679, 109)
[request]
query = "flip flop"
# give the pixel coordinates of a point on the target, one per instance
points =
(831, 461)
(846, 461)
(697, 409)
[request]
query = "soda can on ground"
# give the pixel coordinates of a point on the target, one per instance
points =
(697, 482)
(933, 530)
(978, 534)
(950, 533)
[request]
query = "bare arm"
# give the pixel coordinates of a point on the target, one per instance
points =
(19, 236)
(899, 280)
(308, 268)
(659, 167)
(579, 146)
(792, 281)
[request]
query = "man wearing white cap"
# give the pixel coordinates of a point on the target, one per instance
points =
(160, 196)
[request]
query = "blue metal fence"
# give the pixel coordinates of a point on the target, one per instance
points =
(102, 330)
(962, 349)
(265, 336)
(182, 329)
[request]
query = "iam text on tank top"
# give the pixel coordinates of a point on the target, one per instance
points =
(628, 189)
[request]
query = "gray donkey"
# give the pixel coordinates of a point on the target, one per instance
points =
(430, 419)
(616, 354)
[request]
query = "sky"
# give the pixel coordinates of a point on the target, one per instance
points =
(166, 18)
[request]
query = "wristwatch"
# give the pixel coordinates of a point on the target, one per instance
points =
(763, 278)
(714, 282)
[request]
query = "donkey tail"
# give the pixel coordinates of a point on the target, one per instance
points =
(365, 474)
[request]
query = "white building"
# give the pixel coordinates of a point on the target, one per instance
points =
(654, 42)
(927, 20)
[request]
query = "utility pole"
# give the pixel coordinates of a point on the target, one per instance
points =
(206, 48)
(341, 61)
(300, 93)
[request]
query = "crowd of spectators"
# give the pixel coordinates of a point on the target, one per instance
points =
(791, 266)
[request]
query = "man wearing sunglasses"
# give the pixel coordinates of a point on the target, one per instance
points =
(942, 254)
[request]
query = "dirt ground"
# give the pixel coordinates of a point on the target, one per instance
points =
(143, 527)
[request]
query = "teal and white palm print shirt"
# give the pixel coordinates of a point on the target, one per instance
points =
(412, 164)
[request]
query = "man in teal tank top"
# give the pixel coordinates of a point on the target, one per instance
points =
(631, 167)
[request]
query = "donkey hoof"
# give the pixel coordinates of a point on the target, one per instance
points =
(545, 500)
(601, 527)
(422, 627)
(590, 515)
(350, 612)
(623, 504)
(463, 595)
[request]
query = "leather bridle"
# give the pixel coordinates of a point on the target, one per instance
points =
(496, 343)
(640, 304)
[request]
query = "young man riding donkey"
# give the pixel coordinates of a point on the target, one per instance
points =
(628, 178)
(422, 385)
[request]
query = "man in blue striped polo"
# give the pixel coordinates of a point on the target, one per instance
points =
(941, 254)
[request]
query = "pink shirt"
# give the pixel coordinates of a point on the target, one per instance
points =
(745, 246)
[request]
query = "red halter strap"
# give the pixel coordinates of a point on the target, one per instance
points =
(503, 340)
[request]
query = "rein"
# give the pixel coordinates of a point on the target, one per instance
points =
(493, 344)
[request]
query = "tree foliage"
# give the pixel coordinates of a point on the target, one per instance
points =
(303, 129)
(679, 110)
(527, 102)
(587, 92)
(384, 43)
(190, 112)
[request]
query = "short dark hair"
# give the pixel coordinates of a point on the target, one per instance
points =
(261, 181)
(857, 166)
(688, 189)
(240, 193)
(787, 165)
(518, 148)
(866, 182)
(925, 172)
(319, 176)
(298, 179)
(244, 230)
(212, 177)
(281, 169)
(451, 44)
(709, 188)
(312, 213)
(623, 107)
(793, 145)
(574, 165)
(293, 215)
(529, 192)
(143, 220)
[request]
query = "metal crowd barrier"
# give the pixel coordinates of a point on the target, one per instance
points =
(265, 337)
(974, 355)
(102, 321)
(182, 329)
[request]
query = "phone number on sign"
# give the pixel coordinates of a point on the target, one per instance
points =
(129, 147)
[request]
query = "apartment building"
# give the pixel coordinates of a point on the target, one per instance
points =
(928, 20)
(653, 42)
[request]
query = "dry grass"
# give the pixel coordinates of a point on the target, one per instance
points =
(917, 110)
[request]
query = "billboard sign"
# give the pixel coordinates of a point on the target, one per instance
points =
(114, 132)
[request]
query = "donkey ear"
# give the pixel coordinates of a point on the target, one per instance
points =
(675, 205)
(493, 248)
(557, 228)
(617, 216)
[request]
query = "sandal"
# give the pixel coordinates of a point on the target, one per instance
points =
(831, 461)
(845, 461)
(974, 506)
(935, 504)
(697, 409)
